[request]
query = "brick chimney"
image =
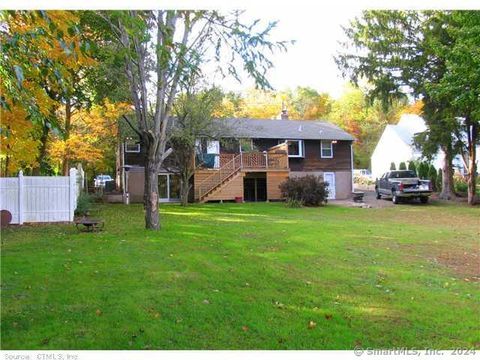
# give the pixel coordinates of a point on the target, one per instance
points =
(284, 113)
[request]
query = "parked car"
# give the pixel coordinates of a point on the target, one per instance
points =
(403, 184)
(101, 180)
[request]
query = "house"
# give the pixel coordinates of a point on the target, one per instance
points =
(253, 160)
(396, 145)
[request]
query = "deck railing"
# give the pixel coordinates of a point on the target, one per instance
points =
(257, 160)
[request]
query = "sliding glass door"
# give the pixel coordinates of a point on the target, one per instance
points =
(168, 187)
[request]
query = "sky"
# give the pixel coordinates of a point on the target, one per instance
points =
(315, 25)
(308, 62)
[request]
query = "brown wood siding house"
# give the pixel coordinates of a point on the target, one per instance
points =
(252, 161)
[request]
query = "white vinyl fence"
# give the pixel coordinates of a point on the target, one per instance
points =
(41, 198)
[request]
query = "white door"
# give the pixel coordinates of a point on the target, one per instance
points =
(329, 177)
(213, 147)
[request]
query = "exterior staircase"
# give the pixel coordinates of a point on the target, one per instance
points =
(232, 167)
(221, 177)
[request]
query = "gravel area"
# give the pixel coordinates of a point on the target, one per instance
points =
(370, 201)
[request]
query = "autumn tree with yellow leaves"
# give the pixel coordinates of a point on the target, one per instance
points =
(93, 137)
(48, 57)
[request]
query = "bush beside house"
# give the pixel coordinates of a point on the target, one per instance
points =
(307, 190)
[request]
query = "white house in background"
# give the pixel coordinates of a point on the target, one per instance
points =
(396, 145)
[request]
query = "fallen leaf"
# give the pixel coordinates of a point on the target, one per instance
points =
(279, 305)
(312, 324)
(245, 328)
(98, 312)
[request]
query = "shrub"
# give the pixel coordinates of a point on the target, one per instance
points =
(460, 185)
(392, 166)
(432, 176)
(308, 190)
(412, 166)
(84, 204)
(423, 170)
(402, 166)
(439, 179)
(293, 203)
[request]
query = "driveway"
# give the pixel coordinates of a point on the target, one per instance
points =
(370, 201)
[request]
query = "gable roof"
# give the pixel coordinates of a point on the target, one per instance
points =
(407, 127)
(284, 129)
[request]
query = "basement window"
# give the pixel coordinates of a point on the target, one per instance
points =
(326, 149)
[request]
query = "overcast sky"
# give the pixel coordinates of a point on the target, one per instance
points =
(308, 62)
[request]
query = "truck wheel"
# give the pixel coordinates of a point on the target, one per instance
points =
(424, 199)
(395, 199)
(377, 195)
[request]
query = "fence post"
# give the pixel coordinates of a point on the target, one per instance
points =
(72, 181)
(20, 197)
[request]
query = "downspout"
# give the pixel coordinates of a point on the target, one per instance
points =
(122, 149)
(351, 163)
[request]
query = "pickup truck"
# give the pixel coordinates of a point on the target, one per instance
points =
(403, 184)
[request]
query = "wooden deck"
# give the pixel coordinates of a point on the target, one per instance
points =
(226, 181)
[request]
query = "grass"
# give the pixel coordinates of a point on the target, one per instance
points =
(246, 276)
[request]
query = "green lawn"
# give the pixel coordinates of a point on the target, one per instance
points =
(246, 276)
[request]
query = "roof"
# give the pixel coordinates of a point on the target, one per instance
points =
(284, 129)
(407, 127)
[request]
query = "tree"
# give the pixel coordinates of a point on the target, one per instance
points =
(432, 176)
(402, 166)
(423, 170)
(460, 86)
(92, 139)
(398, 53)
(364, 119)
(412, 166)
(172, 45)
(439, 179)
(43, 54)
(392, 166)
(193, 121)
(18, 143)
(307, 104)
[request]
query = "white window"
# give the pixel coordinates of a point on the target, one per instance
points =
(295, 148)
(132, 148)
(326, 149)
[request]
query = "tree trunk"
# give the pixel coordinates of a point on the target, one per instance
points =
(152, 219)
(42, 151)
(472, 165)
(447, 192)
(184, 189)
(119, 164)
(7, 163)
(68, 123)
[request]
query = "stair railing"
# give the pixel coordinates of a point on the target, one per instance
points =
(219, 176)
